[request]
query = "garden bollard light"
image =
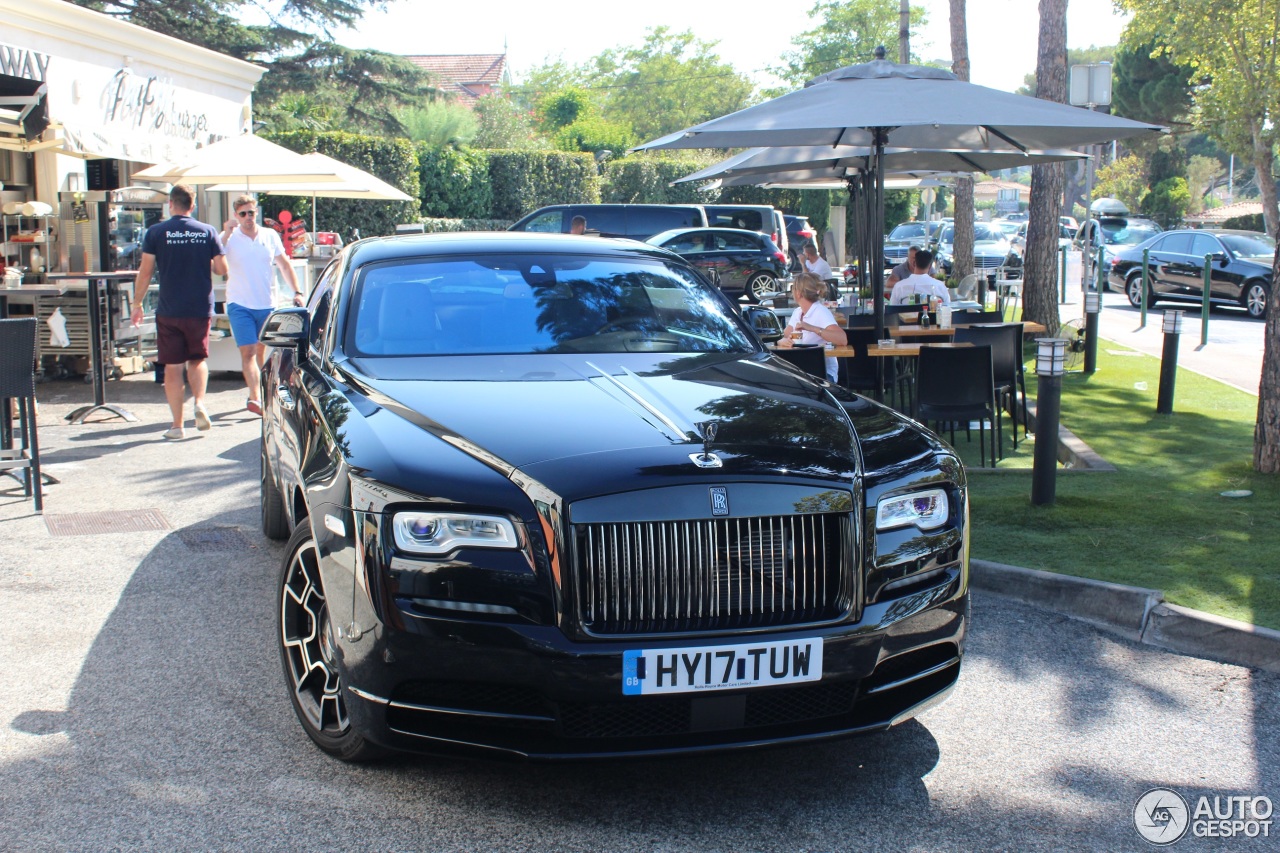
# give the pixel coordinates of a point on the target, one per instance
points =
(1051, 364)
(1169, 361)
(1092, 305)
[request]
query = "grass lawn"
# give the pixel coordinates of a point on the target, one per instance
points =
(1159, 520)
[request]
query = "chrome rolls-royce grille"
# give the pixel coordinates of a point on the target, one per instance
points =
(678, 576)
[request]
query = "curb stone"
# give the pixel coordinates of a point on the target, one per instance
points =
(1135, 613)
(1188, 631)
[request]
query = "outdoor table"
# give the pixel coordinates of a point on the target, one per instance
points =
(920, 331)
(98, 289)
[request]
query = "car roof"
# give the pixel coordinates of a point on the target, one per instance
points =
(676, 232)
(417, 245)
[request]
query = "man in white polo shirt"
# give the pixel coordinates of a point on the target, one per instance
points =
(250, 252)
(919, 286)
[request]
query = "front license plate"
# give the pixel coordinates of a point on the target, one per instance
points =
(647, 672)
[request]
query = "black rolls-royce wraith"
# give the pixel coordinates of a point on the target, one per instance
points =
(548, 496)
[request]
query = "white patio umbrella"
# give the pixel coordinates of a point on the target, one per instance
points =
(350, 183)
(882, 105)
(245, 161)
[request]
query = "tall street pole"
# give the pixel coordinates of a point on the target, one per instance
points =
(904, 32)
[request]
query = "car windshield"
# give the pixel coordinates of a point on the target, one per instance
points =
(537, 304)
(908, 231)
(1127, 234)
(1258, 246)
(981, 231)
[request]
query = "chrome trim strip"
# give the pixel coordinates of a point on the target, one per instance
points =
(492, 715)
(367, 696)
(902, 682)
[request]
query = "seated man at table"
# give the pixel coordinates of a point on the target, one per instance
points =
(815, 264)
(920, 286)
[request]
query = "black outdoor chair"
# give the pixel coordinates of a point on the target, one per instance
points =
(969, 317)
(811, 359)
(861, 372)
(1005, 340)
(954, 384)
(18, 383)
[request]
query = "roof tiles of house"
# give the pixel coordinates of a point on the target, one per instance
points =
(470, 75)
(1227, 211)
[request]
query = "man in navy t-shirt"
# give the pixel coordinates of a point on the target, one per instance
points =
(186, 253)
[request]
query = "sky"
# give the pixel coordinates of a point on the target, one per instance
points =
(1002, 33)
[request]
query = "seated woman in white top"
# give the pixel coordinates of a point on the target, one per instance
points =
(920, 286)
(813, 320)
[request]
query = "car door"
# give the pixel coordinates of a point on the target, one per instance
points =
(1169, 258)
(1224, 285)
(698, 248)
(737, 257)
(1190, 272)
(291, 392)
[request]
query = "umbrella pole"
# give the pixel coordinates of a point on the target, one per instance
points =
(877, 223)
(313, 216)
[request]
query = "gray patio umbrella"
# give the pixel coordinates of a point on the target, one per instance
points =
(882, 105)
(808, 162)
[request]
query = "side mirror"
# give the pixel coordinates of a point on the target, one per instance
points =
(1221, 258)
(288, 327)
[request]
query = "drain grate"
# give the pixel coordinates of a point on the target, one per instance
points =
(206, 539)
(95, 523)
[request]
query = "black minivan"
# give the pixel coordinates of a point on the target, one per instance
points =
(635, 221)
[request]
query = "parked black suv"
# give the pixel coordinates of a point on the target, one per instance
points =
(634, 221)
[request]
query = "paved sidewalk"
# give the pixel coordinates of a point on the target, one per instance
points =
(193, 504)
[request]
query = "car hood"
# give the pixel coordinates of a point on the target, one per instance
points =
(583, 424)
(985, 247)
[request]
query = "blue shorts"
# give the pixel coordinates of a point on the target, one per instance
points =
(246, 323)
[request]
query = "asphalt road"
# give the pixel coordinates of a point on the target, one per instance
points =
(143, 708)
(1232, 352)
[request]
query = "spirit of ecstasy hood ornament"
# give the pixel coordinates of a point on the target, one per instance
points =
(707, 459)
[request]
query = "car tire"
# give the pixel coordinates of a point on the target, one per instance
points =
(309, 655)
(760, 285)
(275, 524)
(1133, 291)
(1254, 297)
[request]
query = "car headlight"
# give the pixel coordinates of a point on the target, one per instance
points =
(926, 510)
(437, 533)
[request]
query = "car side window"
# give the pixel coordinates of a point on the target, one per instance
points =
(737, 242)
(1204, 244)
(1178, 244)
(550, 222)
(318, 307)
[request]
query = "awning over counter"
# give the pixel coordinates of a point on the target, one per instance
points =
(24, 111)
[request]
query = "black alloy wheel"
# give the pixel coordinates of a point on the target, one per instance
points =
(309, 656)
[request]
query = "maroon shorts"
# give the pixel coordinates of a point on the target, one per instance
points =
(181, 339)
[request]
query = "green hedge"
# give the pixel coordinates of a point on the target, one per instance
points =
(646, 178)
(434, 225)
(1252, 222)
(455, 182)
(523, 181)
(392, 160)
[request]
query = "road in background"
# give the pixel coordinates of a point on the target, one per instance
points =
(1232, 354)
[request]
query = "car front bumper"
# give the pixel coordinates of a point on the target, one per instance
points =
(436, 685)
